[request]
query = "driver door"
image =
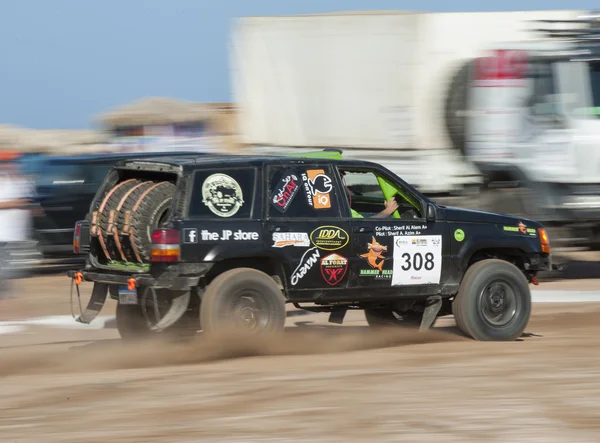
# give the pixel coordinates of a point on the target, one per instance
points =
(402, 251)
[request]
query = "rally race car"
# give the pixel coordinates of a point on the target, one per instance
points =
(219, 242)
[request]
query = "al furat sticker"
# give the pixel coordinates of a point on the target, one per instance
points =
(459, 235)
(334, 268)
(222, 195)
(329, 238)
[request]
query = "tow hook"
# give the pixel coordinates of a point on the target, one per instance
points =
(534, 280)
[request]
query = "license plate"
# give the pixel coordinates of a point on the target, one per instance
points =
(127, 297)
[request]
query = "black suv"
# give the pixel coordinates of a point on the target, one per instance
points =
(218, 242)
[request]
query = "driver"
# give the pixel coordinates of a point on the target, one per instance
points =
(391, 205)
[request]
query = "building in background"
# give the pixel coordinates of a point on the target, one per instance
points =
(164, 124)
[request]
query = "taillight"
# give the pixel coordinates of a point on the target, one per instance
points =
(544, 240)
(165, 245)
(76, 237)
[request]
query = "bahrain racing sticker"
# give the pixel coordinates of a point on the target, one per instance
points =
(308, 260)
(376, 260)
(318, 187)
(333, 268)
(283, 239)
(417, 260)
(285, 191)
(222, 195)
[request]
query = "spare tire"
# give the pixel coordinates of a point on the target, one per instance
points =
(151, 211)
(108, 212)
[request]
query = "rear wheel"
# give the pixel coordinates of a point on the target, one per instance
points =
(243, 299)
(493, 302)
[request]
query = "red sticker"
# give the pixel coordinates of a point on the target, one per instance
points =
(333, 268)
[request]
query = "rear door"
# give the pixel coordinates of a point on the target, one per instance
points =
(304, 227)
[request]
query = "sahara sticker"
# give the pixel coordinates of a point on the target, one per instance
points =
(283, 239)
(222, 194)
(308, 260)
(333, 268)
(285, 191)
(375, 259)
(417, 261)
(329, 238)
(318, 187)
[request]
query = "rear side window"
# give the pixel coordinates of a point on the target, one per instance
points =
(302, 191)
(223, 193)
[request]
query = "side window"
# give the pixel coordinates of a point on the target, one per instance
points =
(367, 192)
(302, 191)
(543, 98)
(226, 193)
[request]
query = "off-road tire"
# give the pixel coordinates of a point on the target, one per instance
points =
(467, 306)
(150, 212)
(384, 318)
(118, 192)
(217, 311)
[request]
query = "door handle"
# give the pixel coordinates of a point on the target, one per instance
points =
(278, 229)
(362, 229)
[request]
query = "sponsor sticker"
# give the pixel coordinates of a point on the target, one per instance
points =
(285, 191)
(329, 238)
(417, 261)
(228, 235)
(283, 239)
(521, 228)
(334, 268)
(375, 259)
(459, 235)
(318, 187)
(308, 260)
(190, 235)
(222, 195)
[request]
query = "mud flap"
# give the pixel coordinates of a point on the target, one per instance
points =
(432, 308)
(97, 300)
(179, 306)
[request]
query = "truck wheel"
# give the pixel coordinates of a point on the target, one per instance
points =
(110, 203)
(386, 317)
(243, 299)
(150, 212)
(493, 302)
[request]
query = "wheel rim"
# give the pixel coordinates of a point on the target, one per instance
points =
(498, 303)
(249, 310)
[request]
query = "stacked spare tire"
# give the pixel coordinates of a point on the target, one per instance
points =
(127, 216)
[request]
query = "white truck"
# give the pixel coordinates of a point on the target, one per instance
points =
(474, 105)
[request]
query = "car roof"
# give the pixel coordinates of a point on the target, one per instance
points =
(211, 160)
(118, 156)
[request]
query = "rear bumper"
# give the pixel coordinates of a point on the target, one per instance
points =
(178, 283)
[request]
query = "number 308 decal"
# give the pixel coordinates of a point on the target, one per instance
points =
(417, 260)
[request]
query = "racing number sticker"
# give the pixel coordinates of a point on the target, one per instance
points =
(417, 260)
(318, 186)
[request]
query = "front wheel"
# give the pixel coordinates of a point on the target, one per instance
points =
(493, 302)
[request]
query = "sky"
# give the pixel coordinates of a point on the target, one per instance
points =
(63, 62)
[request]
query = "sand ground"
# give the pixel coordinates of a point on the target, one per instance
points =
(321, 382)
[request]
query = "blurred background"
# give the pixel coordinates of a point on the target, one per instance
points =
(489, 110)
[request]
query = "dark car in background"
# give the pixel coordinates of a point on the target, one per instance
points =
(64, 188)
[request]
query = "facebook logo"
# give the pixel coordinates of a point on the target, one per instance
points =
(190, 235)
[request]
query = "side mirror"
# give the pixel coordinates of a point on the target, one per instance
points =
(431, 212)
